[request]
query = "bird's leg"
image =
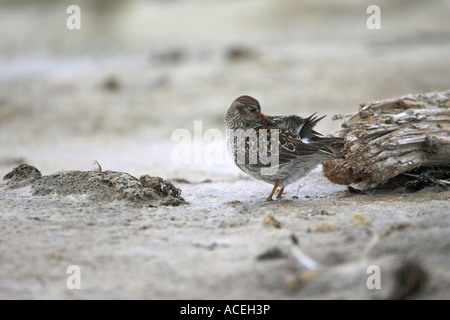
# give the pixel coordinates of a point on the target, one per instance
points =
(275, 186)
(280, 193)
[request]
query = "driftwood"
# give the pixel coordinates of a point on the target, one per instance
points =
(389, 137)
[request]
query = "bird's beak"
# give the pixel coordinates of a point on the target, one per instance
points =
(263, 117)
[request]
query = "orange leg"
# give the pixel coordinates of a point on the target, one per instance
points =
(275, 186)
(280, 193)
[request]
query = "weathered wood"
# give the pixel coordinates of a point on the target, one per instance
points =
(389, 137)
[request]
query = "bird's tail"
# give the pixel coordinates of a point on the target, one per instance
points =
(328, 146)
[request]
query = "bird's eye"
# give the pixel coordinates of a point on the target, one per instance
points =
(251, 108)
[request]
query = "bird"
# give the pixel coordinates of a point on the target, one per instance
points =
(276, 149)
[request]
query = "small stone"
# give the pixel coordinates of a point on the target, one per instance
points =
(269, 220)
(271, 254)
(326, 213)
(360, 220)
(111, 84)
(323, 226)
(293, 283)
(240, 53)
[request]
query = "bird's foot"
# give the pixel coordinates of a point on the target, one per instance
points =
(275, 186)
(279, 195)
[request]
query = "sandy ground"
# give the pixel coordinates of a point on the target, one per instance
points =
(210, 248)
(116, 95)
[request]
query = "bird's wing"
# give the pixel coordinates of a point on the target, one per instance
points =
(296, 137)
(303, 127)
(286, 138)
(292, 146)
(284, 144)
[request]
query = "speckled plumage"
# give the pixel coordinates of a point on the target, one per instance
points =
(290, 142)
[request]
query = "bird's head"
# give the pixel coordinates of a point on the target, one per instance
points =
(245, 111)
